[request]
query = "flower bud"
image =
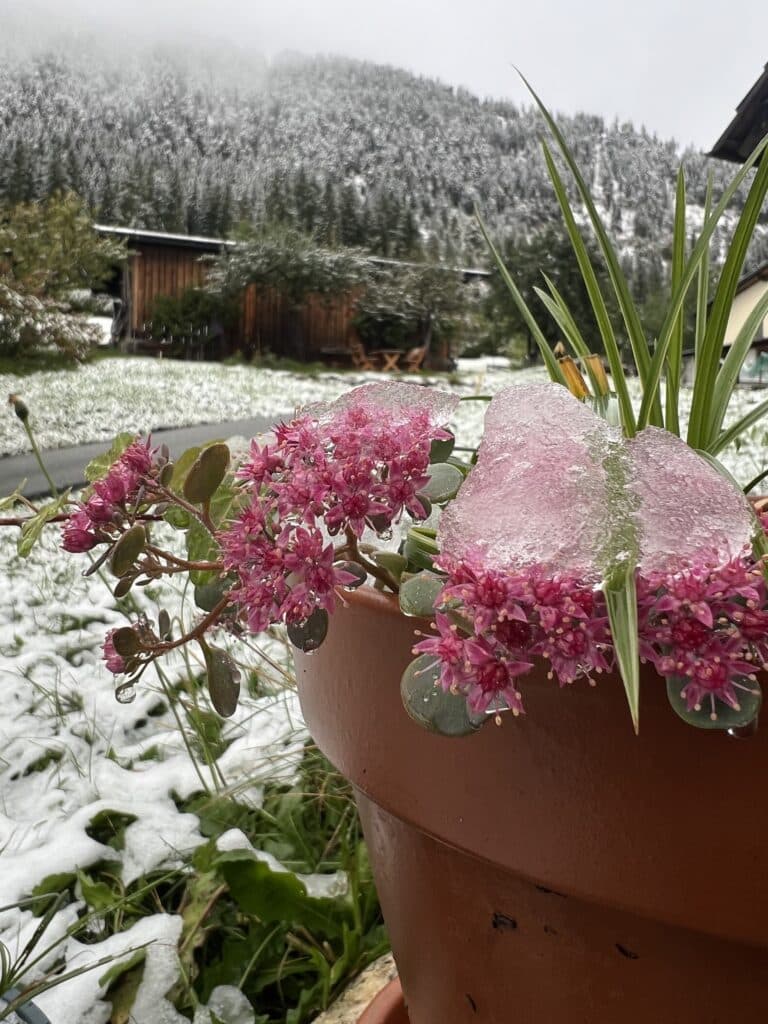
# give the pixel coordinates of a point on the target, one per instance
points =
(573, 378)
(19, 407)
(598, 375)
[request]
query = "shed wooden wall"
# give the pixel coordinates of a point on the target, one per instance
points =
(160, 270)
(267, 322)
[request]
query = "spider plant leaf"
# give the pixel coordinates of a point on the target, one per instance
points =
(702, 287)
(728, 436)
(630, 315)
(596, 299)
(543, 345)
(675, 352)
(704, 412)
(729, 371)
(621, 601)
(698, 256)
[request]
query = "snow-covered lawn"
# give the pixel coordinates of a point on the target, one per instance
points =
(97, 401)
(68, 750)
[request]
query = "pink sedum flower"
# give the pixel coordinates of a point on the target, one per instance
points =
(115, 663)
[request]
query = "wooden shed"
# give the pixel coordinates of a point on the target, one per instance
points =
(161, 264)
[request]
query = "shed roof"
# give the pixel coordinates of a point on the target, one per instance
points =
(204, 244)
(748, 126)
(198, 242)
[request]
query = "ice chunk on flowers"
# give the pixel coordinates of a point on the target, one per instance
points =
(557, 500)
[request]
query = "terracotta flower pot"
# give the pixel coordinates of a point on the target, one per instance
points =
(388, 1007)
(558, 869)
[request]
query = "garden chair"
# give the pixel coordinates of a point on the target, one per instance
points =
(361, 360)
(414, 358)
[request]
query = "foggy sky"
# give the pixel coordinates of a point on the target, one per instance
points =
(679, 69)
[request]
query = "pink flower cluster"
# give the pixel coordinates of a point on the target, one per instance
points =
(90, 523)
(114, 661)
(706, 627)
(329, 474)
(495, 622)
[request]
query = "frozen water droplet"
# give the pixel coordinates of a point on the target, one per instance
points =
(385, 534)
(125, 694)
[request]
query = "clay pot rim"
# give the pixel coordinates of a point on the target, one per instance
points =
(387, 1006)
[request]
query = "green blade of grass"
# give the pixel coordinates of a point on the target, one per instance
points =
(704, 414)
(630, 315)
(546, 352)
(596, 299)
(698, 255)
(675, 354)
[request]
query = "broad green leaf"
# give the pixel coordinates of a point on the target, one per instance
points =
(98, 467)
(433, 707)
(725, 717)
(278, 896)
(33, 527)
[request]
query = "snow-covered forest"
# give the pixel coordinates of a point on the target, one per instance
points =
(353, 152)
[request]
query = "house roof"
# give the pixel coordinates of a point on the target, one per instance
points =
(758, 274)
(748, 126)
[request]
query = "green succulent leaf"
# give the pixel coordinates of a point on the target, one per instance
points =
(726, 717)
(433, 707)
(223, 680)
(440, 451)
(444, 482)
(126, 641)
(420, 547)
(419, 593)
(208, 595)
(309, 634)
(394, 563)
(127, 550)
(206, 474)
(98, 467)
(33, 527)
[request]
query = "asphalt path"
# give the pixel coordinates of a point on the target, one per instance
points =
(66, 465)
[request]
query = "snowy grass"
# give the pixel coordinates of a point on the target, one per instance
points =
(130, 811)
(96, 401)
(120, 807)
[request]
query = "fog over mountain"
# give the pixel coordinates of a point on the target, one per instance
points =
(204, 137)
